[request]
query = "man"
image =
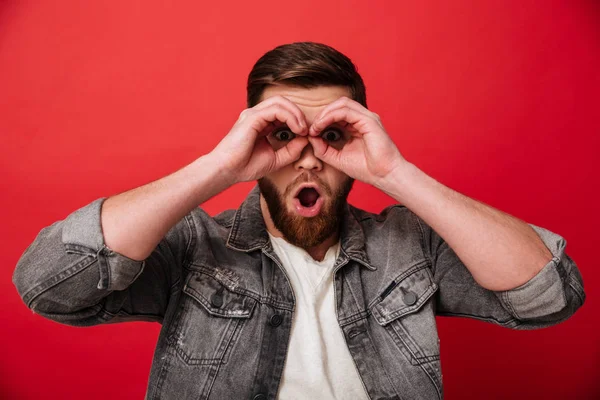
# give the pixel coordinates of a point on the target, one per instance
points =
(297, 294)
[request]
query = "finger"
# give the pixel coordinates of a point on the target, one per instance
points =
(357, 120)
(276, 112)
(287, 104)
(342, 102)
(324, 152)
(290, 152)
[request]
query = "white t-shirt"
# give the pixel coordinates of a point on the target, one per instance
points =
(318, 363)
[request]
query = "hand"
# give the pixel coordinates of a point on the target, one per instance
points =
(367, 153)
(245, 154)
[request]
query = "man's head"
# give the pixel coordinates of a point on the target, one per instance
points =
(306, 65)
(306, 198)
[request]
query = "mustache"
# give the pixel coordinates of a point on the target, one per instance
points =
(308, 177)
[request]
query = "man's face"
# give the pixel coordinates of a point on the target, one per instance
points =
(305, 199)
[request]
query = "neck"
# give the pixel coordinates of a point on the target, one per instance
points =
(317, 252)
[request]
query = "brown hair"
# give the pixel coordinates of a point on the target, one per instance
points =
(304, 64)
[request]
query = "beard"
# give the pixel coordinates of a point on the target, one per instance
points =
(301, 231)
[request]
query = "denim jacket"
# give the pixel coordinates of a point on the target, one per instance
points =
(225, 303)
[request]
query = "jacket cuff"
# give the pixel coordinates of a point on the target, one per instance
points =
(82, 233)
(544, 294)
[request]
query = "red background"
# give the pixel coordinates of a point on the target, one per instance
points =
(497, 100)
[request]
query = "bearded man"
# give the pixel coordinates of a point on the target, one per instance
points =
(298, 294)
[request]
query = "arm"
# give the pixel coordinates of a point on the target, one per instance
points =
(499, 250)
(119, 258)
(521, 267)
(135, 221)
(521, 270)
(72, 274)
(550, 297)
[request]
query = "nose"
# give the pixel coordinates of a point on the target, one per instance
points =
(308, 161)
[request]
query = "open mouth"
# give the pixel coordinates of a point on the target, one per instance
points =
(308, 200)
(308, 196)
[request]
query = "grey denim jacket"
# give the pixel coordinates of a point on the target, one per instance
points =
(225, 303)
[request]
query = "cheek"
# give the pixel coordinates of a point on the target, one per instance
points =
(335, 179)
(280, 179)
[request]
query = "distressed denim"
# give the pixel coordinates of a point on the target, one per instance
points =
(225, 303)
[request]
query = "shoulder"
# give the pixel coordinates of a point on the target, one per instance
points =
(394, 214)
(395, 221)
(200, 218)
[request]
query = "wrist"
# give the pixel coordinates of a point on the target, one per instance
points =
(395, 183)
(222, 171)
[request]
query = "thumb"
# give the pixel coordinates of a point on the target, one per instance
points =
(323, 151)
(290, 152)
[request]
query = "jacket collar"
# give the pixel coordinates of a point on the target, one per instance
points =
(249, 233)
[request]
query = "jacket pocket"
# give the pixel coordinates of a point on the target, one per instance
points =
(406, 312)
(208, 321)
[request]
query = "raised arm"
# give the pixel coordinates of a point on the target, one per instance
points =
(118, 259)
(527, 269)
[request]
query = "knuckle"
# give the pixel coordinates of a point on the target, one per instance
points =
(278, 99)
(278, 109)
(244, 113)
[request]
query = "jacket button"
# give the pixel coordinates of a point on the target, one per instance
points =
(410, 298)
(216, 300)
(275, 321)
(260, 396)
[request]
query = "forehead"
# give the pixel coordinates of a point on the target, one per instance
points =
(310, 101)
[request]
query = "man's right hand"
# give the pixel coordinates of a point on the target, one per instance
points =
(245, 153)
(134, 222)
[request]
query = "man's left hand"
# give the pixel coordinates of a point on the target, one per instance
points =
(368, 153)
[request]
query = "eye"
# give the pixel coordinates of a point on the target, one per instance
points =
(331, 135)
(284, 135)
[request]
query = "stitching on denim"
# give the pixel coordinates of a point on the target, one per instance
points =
(402, 335)
(409, 310)
(437, 388)
(191, 245)
(106, 256)
(201, 299)
(261, 299)
(107, 315)
(419, 265)
(508, 303)
(410, 342)
(234, 228)
(354, 317)
(174, 286)
(58, 278)
(577, 288)
(212, 375)
(366, 262)
(268, 251)
(137, 275)
(478, 317)
(358, 306)
(188, 358)
(423, 241)
(103, 269)
(563, 280)
(392, 387)
(78, 249)
(164, 371)
(257, 247)
(402, 347)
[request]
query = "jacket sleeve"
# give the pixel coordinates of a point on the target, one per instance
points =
(69, 275)
(550, 297)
